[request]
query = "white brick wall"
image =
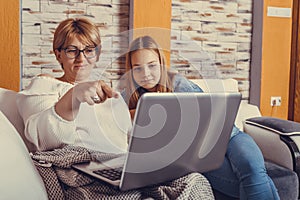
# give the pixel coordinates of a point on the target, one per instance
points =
(210, 38)
(214, 37)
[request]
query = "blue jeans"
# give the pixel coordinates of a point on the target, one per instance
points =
(243, 174)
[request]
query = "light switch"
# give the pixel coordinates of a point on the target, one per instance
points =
(279, 12)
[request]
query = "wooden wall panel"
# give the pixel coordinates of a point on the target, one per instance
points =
(276, 52)
(10, 44)
(152, 17)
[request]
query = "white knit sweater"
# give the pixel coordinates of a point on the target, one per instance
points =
(102, 127)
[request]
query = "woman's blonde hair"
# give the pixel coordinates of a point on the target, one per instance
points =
(165, 83)
(80, 28)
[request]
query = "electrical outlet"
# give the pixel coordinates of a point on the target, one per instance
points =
(275, 101)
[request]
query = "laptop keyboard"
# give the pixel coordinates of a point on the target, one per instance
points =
(112, 173)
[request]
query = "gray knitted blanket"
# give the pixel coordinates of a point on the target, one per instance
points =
(62, 182)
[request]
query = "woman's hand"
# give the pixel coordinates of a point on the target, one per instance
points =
(68, 106)
(93, 92)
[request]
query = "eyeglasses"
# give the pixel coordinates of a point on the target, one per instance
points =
(88, 52)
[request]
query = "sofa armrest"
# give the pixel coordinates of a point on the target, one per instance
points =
(278, 139)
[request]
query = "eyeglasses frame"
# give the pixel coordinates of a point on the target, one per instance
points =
(82, 50)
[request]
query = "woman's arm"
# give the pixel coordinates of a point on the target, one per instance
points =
(43, 126)
(48, 108)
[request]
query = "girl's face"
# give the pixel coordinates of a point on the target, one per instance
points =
(146, 68)
(79, 68)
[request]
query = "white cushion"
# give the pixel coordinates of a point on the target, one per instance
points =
(19, 177)
(246, 111)
(217, 85)
(8, 107)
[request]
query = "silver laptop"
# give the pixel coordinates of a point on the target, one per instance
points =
(173, 134)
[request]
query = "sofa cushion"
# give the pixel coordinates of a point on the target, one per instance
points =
(9, 108)
(217, 85)
(19, 177)
(245, 111)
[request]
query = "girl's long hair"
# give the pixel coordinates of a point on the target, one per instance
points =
(132, 88)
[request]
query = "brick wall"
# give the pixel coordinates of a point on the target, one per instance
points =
(211, 38)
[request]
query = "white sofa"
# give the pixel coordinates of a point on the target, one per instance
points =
(20, 179)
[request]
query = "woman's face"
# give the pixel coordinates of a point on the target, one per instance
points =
(146, 68)
(79, 68)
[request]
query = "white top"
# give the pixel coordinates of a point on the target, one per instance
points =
(102, 127)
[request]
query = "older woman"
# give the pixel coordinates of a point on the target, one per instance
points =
(71, 109)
